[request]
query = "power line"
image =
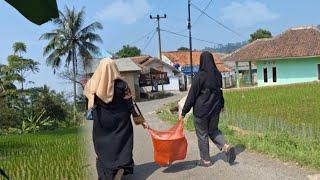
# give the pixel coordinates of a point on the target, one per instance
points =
(142, 37)
(145, 47)
(216, 21)
(197, 19)
(181, 35)
(207, 6)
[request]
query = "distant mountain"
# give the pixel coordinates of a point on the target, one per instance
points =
(318, 26)
(226, 48)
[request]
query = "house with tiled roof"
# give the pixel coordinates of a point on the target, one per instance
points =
(290, 57)
(181, 59)
(152, 67)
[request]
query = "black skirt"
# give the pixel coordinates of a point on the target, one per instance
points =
(113, 136)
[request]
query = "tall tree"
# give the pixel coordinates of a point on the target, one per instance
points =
(260, 34)
(21, 65)
(7, 78)
(128, 51)
(73, 41)
(18, 69)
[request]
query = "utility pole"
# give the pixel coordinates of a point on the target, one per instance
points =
(190, 39)
(158, 17)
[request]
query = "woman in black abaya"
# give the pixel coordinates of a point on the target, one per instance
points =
(110, 97)
(206, 98)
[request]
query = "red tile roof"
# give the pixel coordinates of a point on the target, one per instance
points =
(295, 42)
(183, 58)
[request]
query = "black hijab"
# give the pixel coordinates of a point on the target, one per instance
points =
(208, 66)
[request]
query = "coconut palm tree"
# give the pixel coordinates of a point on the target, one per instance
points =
(19, 48)
(72, 41)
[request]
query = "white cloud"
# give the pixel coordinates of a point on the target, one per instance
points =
(125, 11)
(248, 13)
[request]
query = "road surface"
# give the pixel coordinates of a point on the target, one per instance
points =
(247, 166)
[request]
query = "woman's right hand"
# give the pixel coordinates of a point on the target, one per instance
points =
(181, 118)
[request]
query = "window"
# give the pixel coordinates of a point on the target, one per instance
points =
(265, 75)
(318, 71)
(274, 74)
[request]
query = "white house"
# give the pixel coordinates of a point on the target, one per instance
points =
(149, 64)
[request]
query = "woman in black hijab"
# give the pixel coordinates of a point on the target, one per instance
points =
(110, 99)
(206, 98)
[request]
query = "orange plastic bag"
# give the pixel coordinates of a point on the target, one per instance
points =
(170, 145)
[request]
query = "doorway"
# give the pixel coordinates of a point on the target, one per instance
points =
(265, 75)
(274, 74)
(318, 71)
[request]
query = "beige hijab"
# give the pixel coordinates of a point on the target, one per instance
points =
(102, 82)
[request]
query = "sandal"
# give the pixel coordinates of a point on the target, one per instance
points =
(203, 164)
(231, 154)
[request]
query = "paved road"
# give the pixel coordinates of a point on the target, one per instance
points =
(247, 166)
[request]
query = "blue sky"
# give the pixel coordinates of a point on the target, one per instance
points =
(125, 21)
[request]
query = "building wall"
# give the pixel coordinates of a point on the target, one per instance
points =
(167, 60)
(289, 70)
(132, 78)
(173, 86)
(174, 80)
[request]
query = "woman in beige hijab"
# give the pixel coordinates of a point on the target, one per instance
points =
(110, 97)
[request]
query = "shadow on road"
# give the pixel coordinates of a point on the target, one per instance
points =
(143, 171)
(187, 165)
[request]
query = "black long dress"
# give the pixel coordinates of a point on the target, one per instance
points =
(206, 98)
(113, 133)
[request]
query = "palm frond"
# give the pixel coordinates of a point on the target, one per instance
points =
(50, 47)
(85, 55)
(91, 47)
(60, 20)
(79, 20)
(54, 59)
(90, 37)
(91, 28)
(19, 47)
(48, 36)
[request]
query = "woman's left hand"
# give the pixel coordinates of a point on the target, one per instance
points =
(145, 125)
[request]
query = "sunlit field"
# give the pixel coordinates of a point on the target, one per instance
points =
(49, 155)
(293, 109)
(281, 121)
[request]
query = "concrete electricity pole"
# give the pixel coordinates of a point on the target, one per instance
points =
(190, 39)
(158, 29)
(159, 41)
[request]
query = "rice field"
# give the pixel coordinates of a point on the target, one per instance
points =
(55, 155)
(281, 121)
(292, 109)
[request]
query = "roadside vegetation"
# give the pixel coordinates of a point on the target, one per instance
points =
(58, 154)
(39, 127)
(281, 121)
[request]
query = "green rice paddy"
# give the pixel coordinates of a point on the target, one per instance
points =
(55, 155)
(280, 121)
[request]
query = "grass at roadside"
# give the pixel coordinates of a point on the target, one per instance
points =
(293, 109)
(57, 154)
(279, 141)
